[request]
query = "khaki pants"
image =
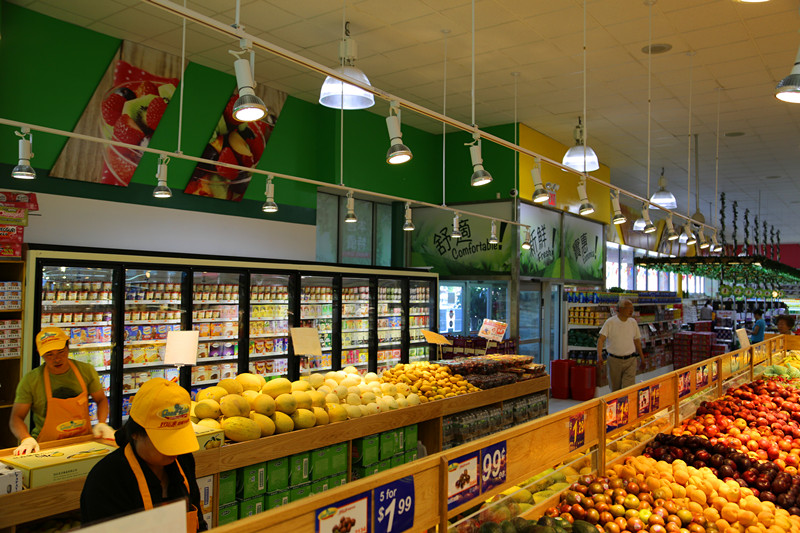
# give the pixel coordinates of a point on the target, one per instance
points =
(621, 372)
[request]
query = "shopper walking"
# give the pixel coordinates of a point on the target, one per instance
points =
(620, 334)
(707, 312)
(758, 327)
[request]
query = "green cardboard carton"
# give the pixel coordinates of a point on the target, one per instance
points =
(300, 492)
(251, 481)
(398, 459)
(410, 434)
(320, 463)
(410, 456)
(276, 499)
(227, 514)
(251, 506)
(227, 488)
(387, 444)
(278, 474)
(298, 469)
(366, 450)
(360, 472)
(338, 458)
(319, 486)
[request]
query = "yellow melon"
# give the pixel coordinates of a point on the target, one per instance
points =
(373, 408)
(207, 409)
(264, 422)
(301, 386)
(234, 405)
(303, 419)
(317, 398)
(353, 411)
(389, 389)
(353, 399)
(354, 390)
(332, 383)
(369, 377)
(276, 387)
(341, 392)
(302, 398)
(239, 428)
(286, 403)
(251, 381)
(324, 390)
(368, 397)
(322, 416)
(364, 410)
(212, 393)
(350, 370)
(264, 404)
(331, 398)
(250, 396)
(337, 376)
(412, 399)
(350, 381)
(210, 423)
(283, 422)
(402, 402)
(336, 412)
(231, 385)
(316, 380)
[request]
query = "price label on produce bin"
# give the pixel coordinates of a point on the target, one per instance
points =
(463, 481)
(493, 466)
(351, 515)
(394, 506)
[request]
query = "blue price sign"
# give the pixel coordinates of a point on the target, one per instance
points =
(493, 466)
(394, 506)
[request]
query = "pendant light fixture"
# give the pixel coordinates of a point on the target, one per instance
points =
(662, 196)
(581, 157)
(639, 224)
(687, 229)
(701, 239)
(671, 233)
(540, 194)
(161, 190)
(456, 234)
(24, 170)
(269, 205)
(586, 208)
(526, 244)
(715, 247)
(618, 217)
(408, 225)
(493, 236)
(398, 152)
(351, 217)
(788, 89)
(688, 235)
(248, 107)
(337, 94)
(649, 227)
(479, 175)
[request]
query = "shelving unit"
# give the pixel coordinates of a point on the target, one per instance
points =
(10, 364)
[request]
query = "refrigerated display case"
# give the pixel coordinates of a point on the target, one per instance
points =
(390, 323)
(269, 325)
(316, 311)
(421, 309)
(356, 323)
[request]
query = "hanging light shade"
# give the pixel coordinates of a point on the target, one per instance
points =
(269, 205)
(540, 194)
(24, 170)
(526, 244)
(351, 217)
(618, 217)
(788, 88)
(493, 236)
(456, 234)
(639, 224)
(480, 176)
(662, 196)
(341, 95)
(408, 225)
(398, 152)
(580, 157)
(586, 208)
(687, 233)
(671, 233)
(248, 107)
(161, 190)
(701, 238)
(648, 227)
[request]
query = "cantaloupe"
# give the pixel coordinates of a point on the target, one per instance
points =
(353, 399)
(250, 396)
(304, 419)
(231, 385)
(368, 397)
(264, 422)
(341, 392)
(316, 380)
(369, 377)
(402, 402)
(324, 390)
(336, 412)
(286, 403)
(234, 405)
(239, 428)
(264, 404)
(388, 388)
(332, 383)
(322, 416)
(412, 399)
(210, 423)
(302, 398)
(207, 409)
(353, 411)
(283, 422)
(350, 381)
(373, 408)
(317, 398)
(301, 386)
(276, 387)
(251, 381)
(211, 393)
(364, 410)
(350, 369)
(331, 398)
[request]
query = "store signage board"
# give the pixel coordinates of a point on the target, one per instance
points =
(352, 515)
(394, 506)
(167, 517)
(463, 479)
(493, 466)
(492, 330)
(434, 338)
(543, 258)
(305, 341)
(577, 430)
(584, 250)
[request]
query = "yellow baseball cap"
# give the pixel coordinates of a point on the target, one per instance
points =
(163, 408)
(50, 339)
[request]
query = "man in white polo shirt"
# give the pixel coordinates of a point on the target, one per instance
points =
(623, 342)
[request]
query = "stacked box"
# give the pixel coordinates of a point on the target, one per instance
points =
(299, 469)
(251, 506)
(366, 451)
(320, 464)
(702, 325)
(718, 349)
(338, 458)
(299, 492)
(10, 295)
(277, 475)
(276, 499)
(388, 440)
(227, 514)
(206, 487)
(682, 349)
(701, 345)
(227, 488)
(251, 482)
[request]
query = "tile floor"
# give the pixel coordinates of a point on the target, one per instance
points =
(556, 405)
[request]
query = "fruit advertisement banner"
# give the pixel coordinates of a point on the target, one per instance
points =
(611, 416)
(493, 330)
(584, 250)
(543, 259)
(462, 479)
(622, 411)
(644, 401)
(684, 384)
(432, 245)
(577, 430)
(701, 377)
(655, 398)
(352, 515)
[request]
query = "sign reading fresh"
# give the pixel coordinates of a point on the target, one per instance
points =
(543, 259)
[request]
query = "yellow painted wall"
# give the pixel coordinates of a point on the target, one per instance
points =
(567, 194)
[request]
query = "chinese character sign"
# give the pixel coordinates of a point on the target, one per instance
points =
(543, 259)
(584, 256)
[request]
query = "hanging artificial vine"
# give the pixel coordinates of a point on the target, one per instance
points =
(735, 220)
(747, 231)
(757, 236)
(722, 221)
(778, 236)
(764, 250)
(772, 242)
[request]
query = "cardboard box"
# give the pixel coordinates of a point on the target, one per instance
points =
(209, 518)
(58, 464)
(276, 499)
(227, 514)
(251, 481)
(209, 438)
(206, 486)
(300, 492)
(10, 480)
(411, 456)
(398, 460)
(399, 440)
(366, 450)
(298, 469)
(385, 465)
(278, 475)
(227, 488)
(387, 439)
(251, 506)
(338, 458)
(337, 481)
(410, 437)
(320, 464)
(319, 486)
(360, 472)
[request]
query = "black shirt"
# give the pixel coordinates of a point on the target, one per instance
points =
(111, 489)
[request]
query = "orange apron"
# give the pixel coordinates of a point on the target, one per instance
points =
(68, 417)
(192, 523)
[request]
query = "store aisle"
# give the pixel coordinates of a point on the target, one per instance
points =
(557, 405)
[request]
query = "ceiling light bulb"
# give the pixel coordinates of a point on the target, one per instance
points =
(671, 233)
(341, 95)
(398, 152)
(580, 157)
(715, 247)
(456, 234)
(248, 107)
(161, 190)
(493, 236)
(618, 217)
(270, 206)
(687, 232)
(702, 240)
(351, 217)
(662, 196)
(586, 208)
(649, 227)
(526, 244)
(540, 194)
(408, 225)
(480, 176)
(788, 89)
(24, 170)
(639, 224)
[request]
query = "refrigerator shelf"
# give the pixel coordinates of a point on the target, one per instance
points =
(269, 301)
(389, 343)
(418, 314)
(266, 355)
(391, 329)
(204, 360)
(355, 330)
(389, 301)
(320, 369)
(103, 369)
(213, 320)
(152, 302)
(418, 301)
(316, 317)
(74, 324)
(151, 341)
(129, 392)
(210, 339)
(420, 341)
(418, 327)
(269, 335)
(87, 345)
(355, 346)
(316, 302)
(388, 361)
(73, 302)
(267, 319)
(150, 322)
(216, 302)
(355, 316)
(395, 315)
(355, 301)
(205, 382)
(154, 364)
(362, 363)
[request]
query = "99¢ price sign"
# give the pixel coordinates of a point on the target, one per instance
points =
(493, 466)
(394, 506)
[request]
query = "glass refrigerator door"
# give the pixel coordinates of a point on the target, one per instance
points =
(152, 308)
(269, 325)
(316, 311)
(419, 319)
(80, 301)
(390, 323)
(215, 314)
(355, 323)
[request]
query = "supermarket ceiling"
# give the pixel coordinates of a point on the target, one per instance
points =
(743, 48)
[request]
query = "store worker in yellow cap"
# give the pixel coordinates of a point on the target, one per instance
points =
(58, 392)
(154, 462)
